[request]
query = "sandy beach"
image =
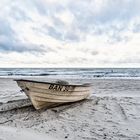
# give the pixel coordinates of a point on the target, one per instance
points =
(66, 46)
(112, 112)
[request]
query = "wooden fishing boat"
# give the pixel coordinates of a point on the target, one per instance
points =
(45, 94)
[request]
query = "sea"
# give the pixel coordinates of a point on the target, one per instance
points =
(72, 73)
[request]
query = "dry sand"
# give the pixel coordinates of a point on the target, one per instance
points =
(112, 113)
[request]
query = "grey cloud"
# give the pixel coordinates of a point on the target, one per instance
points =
(5, 28)
(86, 21)
(9, 41)
(40, 6)
(94, 52)
(136, 28)
(76, 60)
(71, 36)
(113, 10)
(107, 19)
(20, 47)
(55, 33)
(48, 48)
(63, 35)
(45, 8)
(58, 23)
(19, 14)
(58, 32)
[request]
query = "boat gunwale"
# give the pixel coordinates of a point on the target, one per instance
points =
(67, 95)
(43, 82)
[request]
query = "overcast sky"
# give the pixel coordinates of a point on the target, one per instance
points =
(70, 33)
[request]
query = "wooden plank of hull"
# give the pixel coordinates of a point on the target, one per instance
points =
(41, 104)
(57, 100)
(57, 97)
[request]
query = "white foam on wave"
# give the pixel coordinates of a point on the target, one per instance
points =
(72, 73)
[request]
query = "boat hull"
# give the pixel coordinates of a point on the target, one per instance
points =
(44, 94)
